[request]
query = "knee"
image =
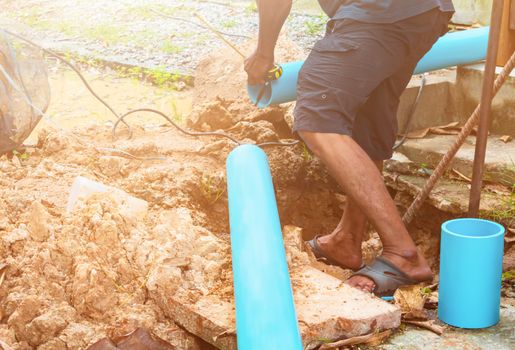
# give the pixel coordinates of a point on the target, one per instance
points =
(312, 141)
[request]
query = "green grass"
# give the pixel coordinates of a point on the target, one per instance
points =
(171, 48)
(142, 38)
(251, 8)
(230, 23)
(107, 33)
(316, 25)
(201, 39)
(176, 115)
(506, 210)
(306, 155)
(35, 20)
(508, 275)
(161, 77)
(212, 187)
(21, 156)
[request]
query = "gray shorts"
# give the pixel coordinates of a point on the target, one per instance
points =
(353, 78)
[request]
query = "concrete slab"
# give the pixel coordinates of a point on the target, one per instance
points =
(468, 85)
(499, 337)
(436, 106)
(452, 196)
(326, 307)
(500, 156)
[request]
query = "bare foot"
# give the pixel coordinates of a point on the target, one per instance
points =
(412, 263)
(342, 248)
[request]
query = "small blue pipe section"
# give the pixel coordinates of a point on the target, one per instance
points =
(452, 49)
(265, 311)
(471, 252)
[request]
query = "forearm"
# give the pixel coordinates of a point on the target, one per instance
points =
(272, 15)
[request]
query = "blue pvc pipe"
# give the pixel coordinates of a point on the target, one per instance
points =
(471, 252)
(452, 49)
(265, 311)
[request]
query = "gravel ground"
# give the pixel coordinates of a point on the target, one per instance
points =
(161, 34)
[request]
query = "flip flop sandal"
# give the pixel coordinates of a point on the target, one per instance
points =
(319, 255)
(386, 276)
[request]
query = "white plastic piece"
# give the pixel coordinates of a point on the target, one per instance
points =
(128, 206)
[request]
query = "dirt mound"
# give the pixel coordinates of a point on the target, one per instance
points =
(73, 278)
(221, 74)
(221, 100)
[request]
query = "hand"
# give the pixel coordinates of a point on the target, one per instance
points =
(257, 67)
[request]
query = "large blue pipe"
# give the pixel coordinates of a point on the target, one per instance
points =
(452, 49)
(265, 312)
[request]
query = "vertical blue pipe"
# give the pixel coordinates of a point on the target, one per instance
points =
(265, 311)
(471, 253)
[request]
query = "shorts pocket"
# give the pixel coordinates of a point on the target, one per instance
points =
(335, 43)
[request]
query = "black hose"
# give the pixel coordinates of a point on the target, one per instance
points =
(411, 114)
(184, 131)
(121, 118)
(84, 81)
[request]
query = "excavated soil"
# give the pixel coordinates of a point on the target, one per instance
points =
(68, 279)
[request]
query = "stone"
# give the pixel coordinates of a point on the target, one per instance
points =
(399, 163)
(499, 156)
(326, 307)
(469, 83)
(129, 207)
(111, 165)
(38, 226)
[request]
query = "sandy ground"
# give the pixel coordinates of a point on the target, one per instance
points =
(157, 34)
(72, 278)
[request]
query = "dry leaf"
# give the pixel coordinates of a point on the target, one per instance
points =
(410, 299)
(505, 138)
(440, 131)
(449, 129)
(432, 301)
(461, 175)
(497, 189)
(16, 162)
(372, 339)
(416, 315)
(510, 235)
(508, 262)
(4, 346)
(430, 325)
(417, 134)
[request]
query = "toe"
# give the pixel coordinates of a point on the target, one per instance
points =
(363, 283)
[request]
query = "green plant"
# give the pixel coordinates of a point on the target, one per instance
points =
(176, 115)
(66, 28)
(201, 39)
(171, 48)
(508, 275)
(251, 8)
(306, 155)
(21, 156)
(161, 77)
(212, 187)
(107, 33)
(230, 23)
(506, 210)
(426, 290)
(316, 25)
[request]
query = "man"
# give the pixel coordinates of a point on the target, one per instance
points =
(348, 93)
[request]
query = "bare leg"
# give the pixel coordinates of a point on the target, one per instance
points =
(343, 245)
(358, 176)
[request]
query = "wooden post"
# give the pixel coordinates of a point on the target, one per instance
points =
(507, 39)
(486, 105)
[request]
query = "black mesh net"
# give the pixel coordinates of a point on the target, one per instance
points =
(24, 91)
